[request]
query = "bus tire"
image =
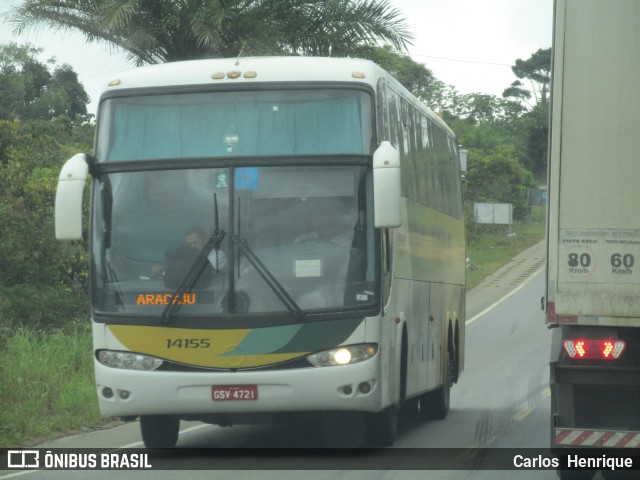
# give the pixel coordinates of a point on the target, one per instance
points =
(159, 431)
(435, 405)
(344, 430)
(384, 427)
(456, 363)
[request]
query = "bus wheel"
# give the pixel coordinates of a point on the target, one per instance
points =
(159, 431)
(344, 430)
(410, 412)
(435, 405)
(384, 427)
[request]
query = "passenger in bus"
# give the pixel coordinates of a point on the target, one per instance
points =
(178, 259)
(195, 237)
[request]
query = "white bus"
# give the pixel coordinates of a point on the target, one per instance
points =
(270, 237)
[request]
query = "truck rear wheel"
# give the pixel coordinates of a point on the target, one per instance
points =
(159, 431)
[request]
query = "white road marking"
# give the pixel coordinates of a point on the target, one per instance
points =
(508, 295)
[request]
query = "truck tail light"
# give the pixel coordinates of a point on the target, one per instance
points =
(587, 349)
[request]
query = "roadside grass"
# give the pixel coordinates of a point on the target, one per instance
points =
(489, 247)
(46, 378)
(46, 385)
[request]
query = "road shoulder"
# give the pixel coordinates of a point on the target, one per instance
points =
(505, 280)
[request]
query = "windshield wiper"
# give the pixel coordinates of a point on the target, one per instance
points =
(196, 269)
(286, 299)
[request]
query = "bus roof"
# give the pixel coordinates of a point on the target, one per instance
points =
(266, 69)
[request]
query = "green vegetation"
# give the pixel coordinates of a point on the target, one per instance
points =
(490, 246)
(46, 385)
(45, 369)
(165, 30)
(498, 178)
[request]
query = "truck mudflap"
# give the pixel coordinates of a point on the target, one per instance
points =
(580, 437)
(595, 406)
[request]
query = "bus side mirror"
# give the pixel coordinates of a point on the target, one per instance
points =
(386, 186)
(68, 210)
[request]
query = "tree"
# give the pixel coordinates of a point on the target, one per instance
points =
(536, 69)
(157, 31)
(43, 282)
(42, 122)
(479, 108)
(29, 90)
(499, 178)
(536, 138)
(65, 94)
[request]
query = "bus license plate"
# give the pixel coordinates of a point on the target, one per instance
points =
(221, 393)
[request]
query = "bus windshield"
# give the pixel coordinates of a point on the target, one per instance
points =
(235, 123)
(289, 240)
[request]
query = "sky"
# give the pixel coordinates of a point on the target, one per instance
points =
(470, 44)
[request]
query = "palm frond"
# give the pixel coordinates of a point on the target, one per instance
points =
(155, 31)
(118, 14)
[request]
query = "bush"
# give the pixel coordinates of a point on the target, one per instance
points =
(46, 384)
(40, 307)
(43, 282)
(497, 178)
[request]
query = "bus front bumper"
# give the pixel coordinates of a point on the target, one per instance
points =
(125, 393)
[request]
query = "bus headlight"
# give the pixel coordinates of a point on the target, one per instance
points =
(128, 360)
(343, 355)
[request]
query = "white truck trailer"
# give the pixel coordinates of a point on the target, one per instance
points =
(593, 264)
